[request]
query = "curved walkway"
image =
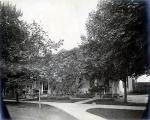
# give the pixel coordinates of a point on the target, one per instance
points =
(76, 110)
(79, 110)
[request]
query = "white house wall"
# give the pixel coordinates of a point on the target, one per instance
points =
(130, 84)
(117, 87)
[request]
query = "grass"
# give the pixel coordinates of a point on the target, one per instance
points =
(58, 99)
(114, 102)
(117, 114)
(30, 111)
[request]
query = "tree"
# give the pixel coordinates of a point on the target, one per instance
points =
(23, 46)
(68, 71)
(117, 39)
(10, 34)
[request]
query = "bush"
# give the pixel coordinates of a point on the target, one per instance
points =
(58, 98)
(87, 95)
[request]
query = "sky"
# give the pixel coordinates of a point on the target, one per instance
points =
(62, 19)
(143, 78)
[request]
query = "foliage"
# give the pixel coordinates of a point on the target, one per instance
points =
(116, 41)
(25, 48)
(11, 32)
(68, 71)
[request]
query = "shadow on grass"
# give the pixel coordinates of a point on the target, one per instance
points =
(58, 99)
(31, 111)
(117, 113)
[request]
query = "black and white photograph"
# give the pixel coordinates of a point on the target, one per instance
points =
(74, 59)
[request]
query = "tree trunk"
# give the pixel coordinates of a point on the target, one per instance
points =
(125, 90)
(39, 98)
(112, 95)
(17, 96)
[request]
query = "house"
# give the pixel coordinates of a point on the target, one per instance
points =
(112, 88)
(142, 87)
(117, 87)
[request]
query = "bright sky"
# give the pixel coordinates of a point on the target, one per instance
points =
(63, 19)
(143, 78)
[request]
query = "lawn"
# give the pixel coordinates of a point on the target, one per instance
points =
(30, 111)
(114, 102)
(58, 99)
(117, 113)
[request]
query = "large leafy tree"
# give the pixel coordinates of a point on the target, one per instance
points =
(116, 39)
(25, 48)
(68, 71)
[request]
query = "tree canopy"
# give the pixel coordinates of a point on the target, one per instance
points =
(68, 70)
(25, 48)
(116, 40)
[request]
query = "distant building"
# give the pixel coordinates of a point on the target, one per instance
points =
(117, 87)
(112, 88)
(142, 87)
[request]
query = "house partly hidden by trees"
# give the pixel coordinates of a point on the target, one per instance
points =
(113, 89)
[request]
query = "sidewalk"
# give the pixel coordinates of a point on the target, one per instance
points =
(76, 110)
(79, 110)
(138, 98)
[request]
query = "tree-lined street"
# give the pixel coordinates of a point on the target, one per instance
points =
(111, 55)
